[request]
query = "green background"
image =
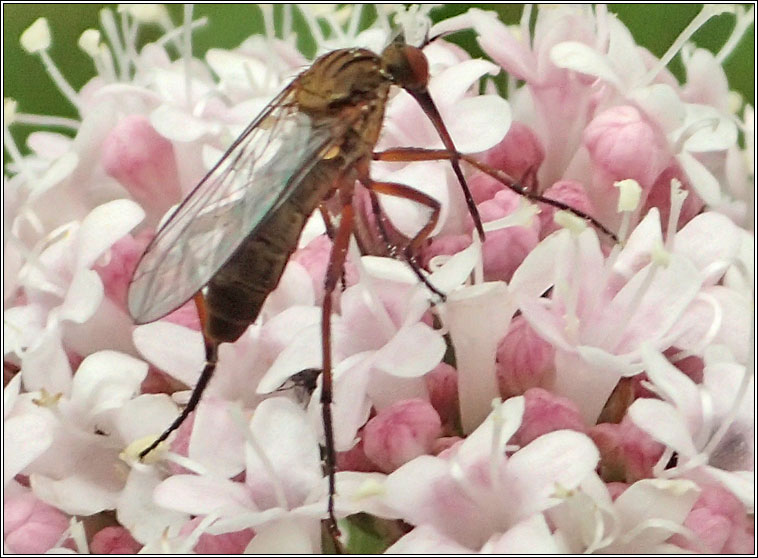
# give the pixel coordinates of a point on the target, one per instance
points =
(654, 26)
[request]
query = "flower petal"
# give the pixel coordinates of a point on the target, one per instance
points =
(650, 414)
(561, 458)
(175, 349)
(412, 352)
(103, 226)
(25, 437)
(106, 380)
(530, 536)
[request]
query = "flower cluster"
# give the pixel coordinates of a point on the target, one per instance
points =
(575, 391)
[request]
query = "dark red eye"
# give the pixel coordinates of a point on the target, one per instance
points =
(418, 66)
(407, 65)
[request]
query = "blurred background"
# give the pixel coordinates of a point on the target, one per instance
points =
(25, 80)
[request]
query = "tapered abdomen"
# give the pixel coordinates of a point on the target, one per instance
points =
(239, 288)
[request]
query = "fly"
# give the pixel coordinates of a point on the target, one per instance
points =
(236, 230)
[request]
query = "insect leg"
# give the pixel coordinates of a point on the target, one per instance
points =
(412, 154)
(333, 274)
(409, 254)
(211, 358)
(406, 192)
(331, 232)
(327, 220)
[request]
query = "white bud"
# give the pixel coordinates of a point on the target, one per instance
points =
(629, 194)
(9, 110)
(146, 13)
(734, 102)
(89, 42)
(36, 37)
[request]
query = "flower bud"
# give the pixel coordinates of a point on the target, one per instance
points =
(624, 144)
(628, 453)
(519, 153)
(546, 412)
(400, 433)
(524, 359)
(114, 540)
(570, 192)
(442, 385)
(719, 522)
(504, 249)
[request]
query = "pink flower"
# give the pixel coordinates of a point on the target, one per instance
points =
(144, 163)
(637, 518)
(400, 433)
(283, 480)
(479, 491)
(550, 319)
(712, 440)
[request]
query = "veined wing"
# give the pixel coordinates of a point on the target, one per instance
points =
(257, 173)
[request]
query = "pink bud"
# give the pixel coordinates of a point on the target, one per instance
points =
(627, 452)
(355, 459)
(641, 451)
(483, 187)
(114, 540)
(524, 359)
(519, 153)
(545, 412)
(504, 249)
(400, 433)
(608, 441)
(442, 385)
(719, 522)
(624, 144)
(570, 192)
(31, 526)
(143, 162)
(660, 197)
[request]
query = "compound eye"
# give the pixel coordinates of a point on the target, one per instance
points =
(418, 67)
(407, 65)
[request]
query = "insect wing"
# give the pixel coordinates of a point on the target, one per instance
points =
(258, 172)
